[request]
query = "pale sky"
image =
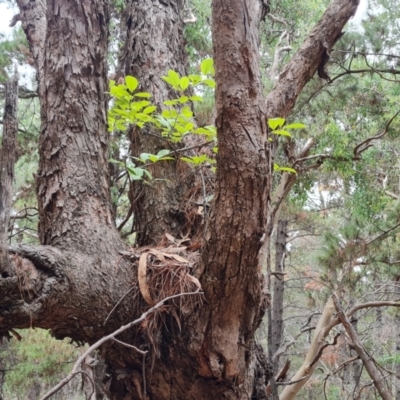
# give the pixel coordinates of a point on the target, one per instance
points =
(6, 15)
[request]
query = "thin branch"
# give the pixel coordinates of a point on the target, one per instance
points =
(366, 54)
(116, 305)
(321, 350)
(131, 347)
(359, 148)
(359, 348)
(291, 382)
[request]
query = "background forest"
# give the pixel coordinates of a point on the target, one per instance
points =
(337, 222)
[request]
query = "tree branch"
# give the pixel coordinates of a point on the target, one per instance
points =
(307, 60)
(359, 348)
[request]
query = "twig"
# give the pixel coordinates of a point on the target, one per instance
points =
(291, 382)
(131, 347)
(116, 305)
(143, 353)
(318, 356)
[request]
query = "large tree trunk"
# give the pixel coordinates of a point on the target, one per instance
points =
(76, 277)
(153, 45)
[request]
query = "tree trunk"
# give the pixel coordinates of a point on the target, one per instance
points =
(7, 161)
(279, 286)
(153, 45)
(77, 276)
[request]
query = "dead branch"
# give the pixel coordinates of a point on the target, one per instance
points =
(308, 367)
(318, 356)
(277, 56)
(359, 348)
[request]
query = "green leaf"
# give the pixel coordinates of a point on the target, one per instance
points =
(207, 66)
(119, 91)
(113, 161)
(295, 126)
(169, 114)
(195, 79)
(288, 169)
(184, 82)
(284, 169)
(135, 174)
(149, 109)
(171, 102)
(142, 94)
(183, 99)
(210, 83)
(131, 82)
(274, 123)
(172, 79)
(144, 157)
(187, 112)
(281, 132)
(198, 160)
(148, 174)
(196, 98)
(163, 152)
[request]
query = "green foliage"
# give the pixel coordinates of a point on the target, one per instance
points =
(36, 358)
(174, 122)
(14, 49)
(276, 125)
(198, 33)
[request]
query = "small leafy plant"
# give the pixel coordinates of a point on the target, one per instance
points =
(132, 107)
(278, 127)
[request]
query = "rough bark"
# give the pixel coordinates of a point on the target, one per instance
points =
(231, 275)
(153, 45)
(70, 284)
(7, 161)
(75, 278)
(310, 56)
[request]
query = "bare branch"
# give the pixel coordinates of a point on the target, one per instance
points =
(359, 348)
